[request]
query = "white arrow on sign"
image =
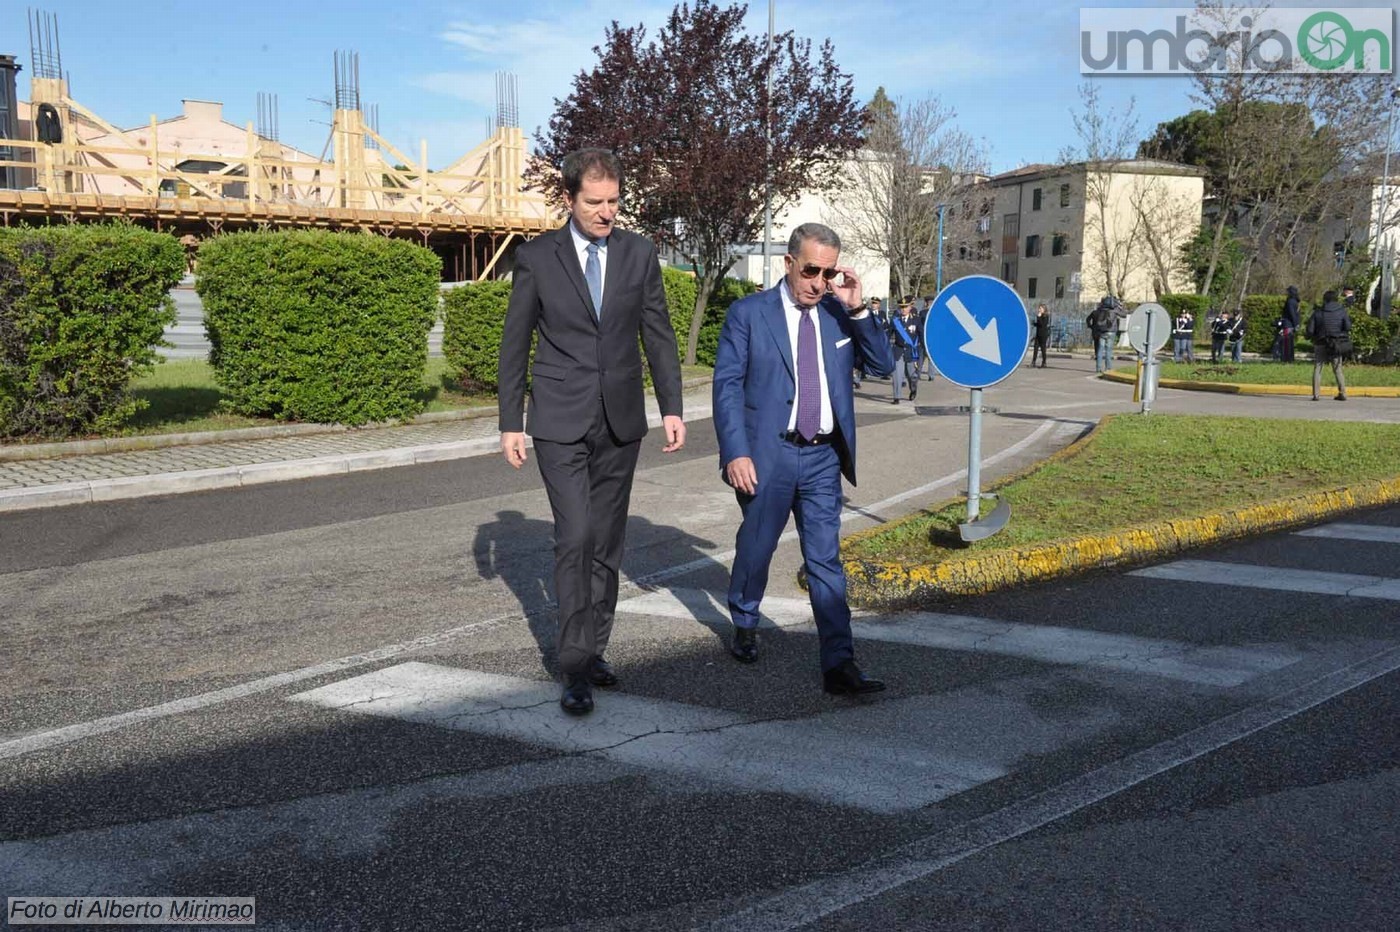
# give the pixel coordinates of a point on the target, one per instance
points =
(984, 343)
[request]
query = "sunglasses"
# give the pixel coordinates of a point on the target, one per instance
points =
(812, 271)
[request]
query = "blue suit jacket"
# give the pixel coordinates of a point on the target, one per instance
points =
(755, 386)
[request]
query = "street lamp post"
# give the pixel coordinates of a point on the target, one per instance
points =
(768, 160)
(1383, 309)
(938, 275)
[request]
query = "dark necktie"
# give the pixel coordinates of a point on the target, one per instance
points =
(809, 378)
(593, 271)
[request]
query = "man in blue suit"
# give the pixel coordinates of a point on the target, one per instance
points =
(785, 415)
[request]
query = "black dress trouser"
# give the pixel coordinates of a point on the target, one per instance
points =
(589, 483)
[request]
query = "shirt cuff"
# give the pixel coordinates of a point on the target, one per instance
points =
(862, 315)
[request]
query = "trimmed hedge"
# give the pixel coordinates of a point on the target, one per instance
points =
(1260, 312)
(309, 325)
(473, 316)
(726, 293)
(1370, 335)
(680, 303)
(82, 310)
(1197, 304)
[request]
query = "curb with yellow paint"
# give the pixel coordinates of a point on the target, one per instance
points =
(891, 585)
(1248, 388)
(878, 584)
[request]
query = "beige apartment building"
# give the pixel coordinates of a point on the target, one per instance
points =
(1084, 230)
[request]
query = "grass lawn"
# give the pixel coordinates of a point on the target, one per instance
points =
(184, 397)
(1274, 373)
(1136, 470)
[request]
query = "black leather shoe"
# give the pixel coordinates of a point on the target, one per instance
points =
(847, 680)
(601, 674)
(744, 647)
(577, 698)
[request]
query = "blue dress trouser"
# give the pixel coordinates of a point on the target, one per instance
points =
(805, 482)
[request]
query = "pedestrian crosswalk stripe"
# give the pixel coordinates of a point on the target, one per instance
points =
(712, 608)
(1212, 666)
(887, 757)
(1277, 578)
(1373, 533)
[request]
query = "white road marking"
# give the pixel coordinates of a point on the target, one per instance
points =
(924, 857)
(1178, 660)
(829, 758)
(56, 737)
(711, 608)
(1365, 532)
(1276, 578)
(886, 756)
(1212, 666)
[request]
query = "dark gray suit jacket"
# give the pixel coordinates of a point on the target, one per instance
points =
(578, 360)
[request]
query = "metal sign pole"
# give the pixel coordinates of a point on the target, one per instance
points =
(974, 456)
(1150, 357)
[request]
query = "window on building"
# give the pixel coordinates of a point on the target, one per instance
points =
(1064, 195)
(1033, 247)
(1035, 199)
(1059, 244)
(984, 224)
(1059, 286)
(1030, 287)
(1008, 271)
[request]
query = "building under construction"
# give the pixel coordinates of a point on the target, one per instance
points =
(197, 174)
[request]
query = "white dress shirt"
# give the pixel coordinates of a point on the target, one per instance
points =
(794, 320)
(581, 247)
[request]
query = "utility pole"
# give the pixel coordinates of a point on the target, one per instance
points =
(768, 160)
(1385, 256)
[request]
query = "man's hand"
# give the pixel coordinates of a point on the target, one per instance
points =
(848, 292)
(513, 446)
(675, 433)
(741, 474)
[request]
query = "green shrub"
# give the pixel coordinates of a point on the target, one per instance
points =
(473, 316)
(726, 293)
(316, 326)
(1369, 335)
(680, 302)
(1197, 304)
(1260, 312)
(82, 310)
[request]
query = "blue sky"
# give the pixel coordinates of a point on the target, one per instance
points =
(1009, 68)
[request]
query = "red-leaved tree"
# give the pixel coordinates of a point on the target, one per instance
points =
(687, 113)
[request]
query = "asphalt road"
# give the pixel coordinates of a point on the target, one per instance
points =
(334, 696)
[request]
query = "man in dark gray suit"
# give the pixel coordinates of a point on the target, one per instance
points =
(589, 290)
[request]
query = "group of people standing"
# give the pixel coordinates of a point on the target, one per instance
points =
(905, 330)
(1329, 329)
(1228, 327)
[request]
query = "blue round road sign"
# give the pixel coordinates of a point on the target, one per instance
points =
(977, 331)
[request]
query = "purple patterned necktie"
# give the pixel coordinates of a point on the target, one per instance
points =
(809, 378)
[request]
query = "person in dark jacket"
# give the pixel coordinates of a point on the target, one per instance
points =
(1183, 337)
(1292, 317)
(906, 342)
(1328, 327)
(1218, 329)
(1041, 321)
(1101, 321)
(1234, 335)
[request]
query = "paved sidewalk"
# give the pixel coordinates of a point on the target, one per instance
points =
(70, 480)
